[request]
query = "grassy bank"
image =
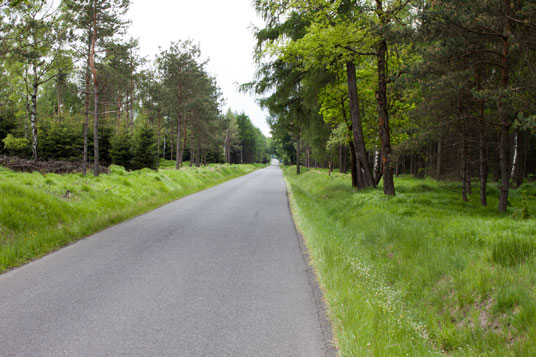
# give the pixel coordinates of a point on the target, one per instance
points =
(423, 272)
(40, 213)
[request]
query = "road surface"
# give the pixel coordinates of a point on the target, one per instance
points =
(218, 273)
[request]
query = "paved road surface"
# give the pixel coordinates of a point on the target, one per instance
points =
(218, 273)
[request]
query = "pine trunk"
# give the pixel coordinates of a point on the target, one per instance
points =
(96, 133)
(506, 119)
(178, 146)
(483, 161)
(96, 93)
(183, 146)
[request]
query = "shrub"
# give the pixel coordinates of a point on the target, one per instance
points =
(15, 145)
(144, 150)
(121, 151)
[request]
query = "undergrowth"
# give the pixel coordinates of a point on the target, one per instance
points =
(422, 273)
(41, 213)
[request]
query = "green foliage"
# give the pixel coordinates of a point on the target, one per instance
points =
(144, 149)
(121, 150)
(61, 141)
(7, 124)
(13, 144)
(420, 273)
(252, 143)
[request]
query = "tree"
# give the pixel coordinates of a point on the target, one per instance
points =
(178, 67)
(144, 150)
(38, 49)
(231, 140)
(97, 21)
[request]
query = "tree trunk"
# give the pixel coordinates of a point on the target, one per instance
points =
(464, 163)
(130, 104)
(171, 145)
(178, 146)
(483, 160)
(28, 115)
(383, 119)
(96, 94)
(183, 146)
(506, 118)
(118, 115)
(96, 133)
(33, 117)
(518, 169)
(159, 133)
(58, 100)
(226, 145)
(377, 166)
(164, 148)
(298, 149)
(86, 116)
(438, 162)
(192, 151)
(198, 155)
(357, 128)
(353, 164)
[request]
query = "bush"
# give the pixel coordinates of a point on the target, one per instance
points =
(60, 142)
(15, 145)
(144, 150)
(121, 150)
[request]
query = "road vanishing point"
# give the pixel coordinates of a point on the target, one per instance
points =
(218, 273)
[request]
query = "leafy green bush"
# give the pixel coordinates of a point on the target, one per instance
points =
(15, 145)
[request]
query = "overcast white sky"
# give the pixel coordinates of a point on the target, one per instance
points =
(223, 30)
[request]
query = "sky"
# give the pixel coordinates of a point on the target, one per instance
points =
(223, 30)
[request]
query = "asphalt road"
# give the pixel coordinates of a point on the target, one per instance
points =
(218, 273)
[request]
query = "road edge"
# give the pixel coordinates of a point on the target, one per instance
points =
(326, 326)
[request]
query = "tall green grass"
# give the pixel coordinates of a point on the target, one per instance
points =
(421, 273)
(40, 213)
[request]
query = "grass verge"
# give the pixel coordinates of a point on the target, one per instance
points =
(41, 213)
(422, 273)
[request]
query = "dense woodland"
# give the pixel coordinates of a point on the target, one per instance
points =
(444, 88)
(73, 87)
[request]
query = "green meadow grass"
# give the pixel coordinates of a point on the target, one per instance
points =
(41, 213)
(422, 273)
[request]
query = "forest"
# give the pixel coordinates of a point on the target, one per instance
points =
(74, 88)
(442, 88)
